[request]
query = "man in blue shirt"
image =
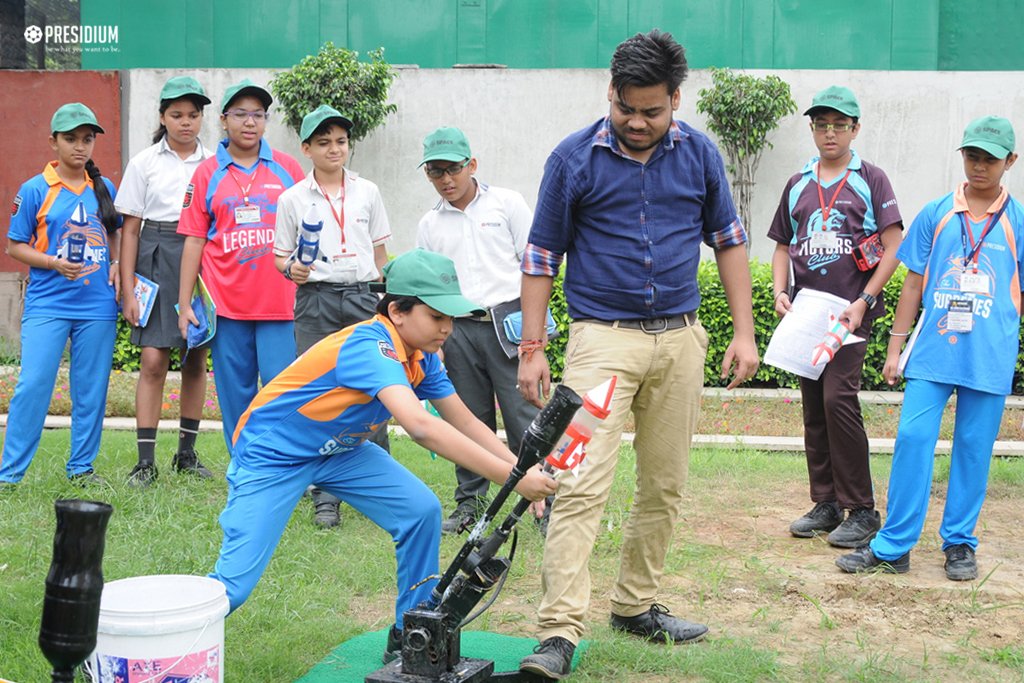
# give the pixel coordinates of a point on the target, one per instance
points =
(628, 201)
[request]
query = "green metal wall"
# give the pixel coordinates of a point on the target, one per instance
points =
(766, 34)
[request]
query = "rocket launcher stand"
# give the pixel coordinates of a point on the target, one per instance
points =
(432, 631)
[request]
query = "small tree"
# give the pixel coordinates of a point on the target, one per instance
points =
(335, 76)
(742, 110)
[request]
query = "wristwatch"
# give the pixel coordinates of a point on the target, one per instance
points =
(868, 299)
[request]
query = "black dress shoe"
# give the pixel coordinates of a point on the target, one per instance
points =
(657, 624)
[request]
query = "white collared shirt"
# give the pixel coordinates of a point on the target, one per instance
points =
(154, 182)
(366, 227)
(486, 242)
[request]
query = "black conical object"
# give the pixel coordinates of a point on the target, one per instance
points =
(71, 607)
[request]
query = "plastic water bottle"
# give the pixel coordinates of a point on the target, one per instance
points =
(309, 236)
(571, 449)
(76, 237)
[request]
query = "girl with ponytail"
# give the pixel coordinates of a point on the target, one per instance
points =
(65, 228)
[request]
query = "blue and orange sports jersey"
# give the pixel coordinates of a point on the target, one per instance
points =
(42, 217)
(326, 401)
(238, 261)
(984, 358)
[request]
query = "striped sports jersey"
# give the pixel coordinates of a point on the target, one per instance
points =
(984, 358)
(45, 212)
(325, 402)
(238, 260)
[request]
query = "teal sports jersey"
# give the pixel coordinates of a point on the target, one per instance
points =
(984, 358)
(326, 403)
(43, 215)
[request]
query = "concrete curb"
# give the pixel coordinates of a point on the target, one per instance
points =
(774, 444)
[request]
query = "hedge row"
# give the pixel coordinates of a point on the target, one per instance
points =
(717, 320)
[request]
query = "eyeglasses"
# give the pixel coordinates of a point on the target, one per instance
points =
(453, 170)
(823, 127)
(258, 116)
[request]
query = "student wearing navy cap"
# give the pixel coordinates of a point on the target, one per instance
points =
(228, 220)
(71, 294)
(964, 255)
(332, 292)
(150, 200)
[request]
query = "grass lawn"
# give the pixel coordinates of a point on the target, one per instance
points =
(777, 607)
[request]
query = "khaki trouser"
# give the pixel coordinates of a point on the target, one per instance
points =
(660, 377)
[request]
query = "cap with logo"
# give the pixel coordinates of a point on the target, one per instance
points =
(835, 97)
(184, 86)
(325, 112)
(994, 134)
(242, 89)
(446, 144)
(71, 116)
(431, 278)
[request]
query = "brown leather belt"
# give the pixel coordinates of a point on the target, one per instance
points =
(649, 325)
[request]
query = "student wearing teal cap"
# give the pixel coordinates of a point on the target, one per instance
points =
(150, 200)
(964, 255)
(71, 294)
(313, 423)
(228, 219)
(333, 291)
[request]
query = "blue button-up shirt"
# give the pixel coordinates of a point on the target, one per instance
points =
(631, 231)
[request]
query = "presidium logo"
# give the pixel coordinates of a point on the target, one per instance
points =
(102, 38)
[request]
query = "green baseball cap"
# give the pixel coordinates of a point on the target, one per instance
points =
(835, 97)
(325, 112)
(431, 278)
(184, 86)
(243, 88)
(71, 116)
(994, 134)
(446, 144)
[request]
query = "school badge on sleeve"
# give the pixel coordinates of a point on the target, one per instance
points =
(388, 351)
(15, 205)
(189, 192)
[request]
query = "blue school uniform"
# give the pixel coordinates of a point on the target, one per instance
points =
(977, 364)
(311, 425)
(46, 210)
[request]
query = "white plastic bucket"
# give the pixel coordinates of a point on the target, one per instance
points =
(161, 629)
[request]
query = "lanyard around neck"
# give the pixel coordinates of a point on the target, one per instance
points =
(966, 234)
(339, 216)
(245, 190)
(826, 210)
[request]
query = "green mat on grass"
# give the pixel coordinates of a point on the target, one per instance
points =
(354, 659)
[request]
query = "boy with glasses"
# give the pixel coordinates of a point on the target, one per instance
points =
(483, 229)
(836, 209)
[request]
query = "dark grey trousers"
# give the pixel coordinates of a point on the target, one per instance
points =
(481, 371)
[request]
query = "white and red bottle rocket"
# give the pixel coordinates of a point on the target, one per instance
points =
(837, 336)
(76, 236)
(309, 236)
(572, 448)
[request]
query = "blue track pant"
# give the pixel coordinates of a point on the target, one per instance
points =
(262, 496)
(978, 415)
(42, 344)
(246, 355)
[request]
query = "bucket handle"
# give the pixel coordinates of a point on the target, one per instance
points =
(87, 665)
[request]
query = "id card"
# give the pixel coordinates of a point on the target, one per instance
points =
(960, 315)
(244, 215)
(825, 240)
(975, 283)
(345, 263)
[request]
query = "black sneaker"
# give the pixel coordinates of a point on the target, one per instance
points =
(327, 509)
(961, 565)
(551, 659)
(463, 517)
(823, 517)
(657, 624)
(142, 475)
(393, 650)
(860, 526)
(863, 559)
(188, 462)
(89, 478)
